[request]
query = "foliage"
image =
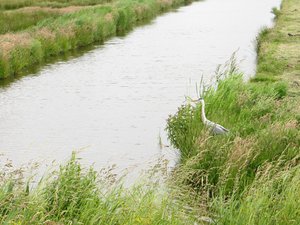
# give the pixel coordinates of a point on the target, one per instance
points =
(20, 20)
(76, 195)
(276, 12)
(17, 4)
(271, 199)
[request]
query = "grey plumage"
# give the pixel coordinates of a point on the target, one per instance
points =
(213, 127)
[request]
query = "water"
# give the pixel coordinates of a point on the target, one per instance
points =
(116, 96)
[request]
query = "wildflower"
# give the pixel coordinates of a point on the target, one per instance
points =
(276, 211)
(274, 200)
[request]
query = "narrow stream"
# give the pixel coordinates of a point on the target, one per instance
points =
(115, 97)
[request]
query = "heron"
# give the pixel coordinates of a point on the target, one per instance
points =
(213, 127)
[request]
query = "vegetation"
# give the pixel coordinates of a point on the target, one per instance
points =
(250, 176)
(278, 54)
(20, 20)
(72, 194)
(17, 4)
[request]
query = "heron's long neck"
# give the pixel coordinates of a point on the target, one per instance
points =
(203, 112)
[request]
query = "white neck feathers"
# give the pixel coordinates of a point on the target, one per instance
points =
(203, 111)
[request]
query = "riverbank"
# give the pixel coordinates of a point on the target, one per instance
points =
(278, 51)
(54, 31)
(250, 175)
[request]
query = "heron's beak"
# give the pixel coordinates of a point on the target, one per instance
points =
(195, 100)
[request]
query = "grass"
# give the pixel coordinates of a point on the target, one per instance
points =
(72, 194)
(271, 199)
(250, 176)
(279, 53)
(17, 4)
(20, 20)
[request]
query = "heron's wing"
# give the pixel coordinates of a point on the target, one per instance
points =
(216, 128)
(223, 128)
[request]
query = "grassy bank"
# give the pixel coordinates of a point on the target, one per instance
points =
(279, 53)
(46, 32)
(250, 176)
(72, 194)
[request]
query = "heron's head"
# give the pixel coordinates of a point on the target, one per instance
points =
(198, 100)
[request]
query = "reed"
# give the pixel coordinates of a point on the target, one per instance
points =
(73, 194)
(273, 198)
(20, 20)
(17, 4)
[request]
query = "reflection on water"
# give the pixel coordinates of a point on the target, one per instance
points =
(115, 96)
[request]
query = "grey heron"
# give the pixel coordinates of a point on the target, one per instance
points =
(213, 127)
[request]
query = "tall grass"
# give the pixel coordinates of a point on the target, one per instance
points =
(73, 194)
(20, 20)
(264, 130)
(271, 64)
(16, 4)
(273, 198)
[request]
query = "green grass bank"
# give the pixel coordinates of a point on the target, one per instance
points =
(250, 176)
(73, 194)
(31, 34)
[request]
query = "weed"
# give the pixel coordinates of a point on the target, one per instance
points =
(276, 12)
(74, 194)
